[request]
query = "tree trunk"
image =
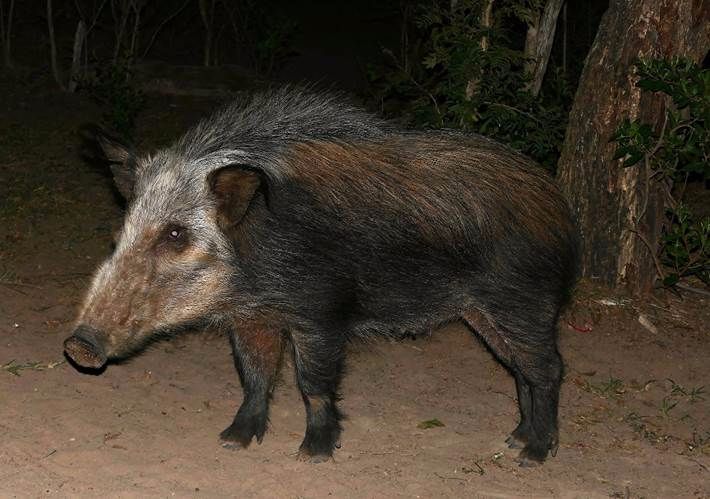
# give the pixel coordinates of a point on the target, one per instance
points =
(79, 38)
(620, 211)
(124, 8)
(137, 7)
(53, 46)
(207, 15)
(486, 22)
(538, 43)
(472, 86)
(6, 32)
(564, 39)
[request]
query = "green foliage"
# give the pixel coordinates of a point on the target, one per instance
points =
(274, 49)
(111, 86)
(677, 153)
(685, 246)
(458, 74)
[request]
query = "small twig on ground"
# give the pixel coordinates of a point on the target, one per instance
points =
(501, 393)
(449, 477)
(700, 464)
(692, 289)
(15, 369)
(13, 289)
(17, 283)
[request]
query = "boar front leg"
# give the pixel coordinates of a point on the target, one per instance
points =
(257, 350)
(319, 364)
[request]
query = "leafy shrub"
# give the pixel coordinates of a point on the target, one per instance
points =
(685, 246)
(457, 80)
(111, 86)
(679, 152)
(265, 36)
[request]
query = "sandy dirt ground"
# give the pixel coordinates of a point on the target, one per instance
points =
(635, 404)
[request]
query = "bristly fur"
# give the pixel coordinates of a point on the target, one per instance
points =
(290, 218)
(257, 127)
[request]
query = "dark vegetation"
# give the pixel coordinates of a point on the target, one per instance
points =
(451, 71)
(677, 154)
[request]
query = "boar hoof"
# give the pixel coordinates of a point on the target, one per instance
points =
(318, 447)
(519, 437)
(514, 442)
(240, 434)
(533, 454)
(307, 457)
(315, 457)
(233, 445)
(525, 462)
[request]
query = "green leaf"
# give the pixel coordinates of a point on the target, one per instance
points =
(621, 152)
(634, 157)
(653, 85)
(671, 280)
(430, 423)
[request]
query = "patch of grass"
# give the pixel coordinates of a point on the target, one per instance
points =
(677, 394)
(667, 405)
(700, 440)
(696, 394)
(640, 425)
(8, 277)
(693, 395)
(613, 387)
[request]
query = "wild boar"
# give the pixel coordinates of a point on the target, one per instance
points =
(297, 223)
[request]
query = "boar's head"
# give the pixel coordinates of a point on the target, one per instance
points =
(173, 263)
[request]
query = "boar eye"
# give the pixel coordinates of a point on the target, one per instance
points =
(174, 236)
(174, 232)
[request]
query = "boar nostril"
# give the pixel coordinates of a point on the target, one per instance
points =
(84, 348)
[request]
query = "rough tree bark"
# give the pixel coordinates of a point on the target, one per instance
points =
(486, 24)
(538, 43)
(120, 10)
(619, 213)
(53, 46)
(207, 14)
(6, 32)
(75, 73)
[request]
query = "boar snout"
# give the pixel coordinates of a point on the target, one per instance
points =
(85, 348)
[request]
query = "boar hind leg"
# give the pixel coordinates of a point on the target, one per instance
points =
(319, 364)
(521, 435)
(257, 357)
(536, 365)
(542, 371)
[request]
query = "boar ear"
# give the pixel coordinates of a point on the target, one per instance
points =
(233, 187)
(122, 161)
